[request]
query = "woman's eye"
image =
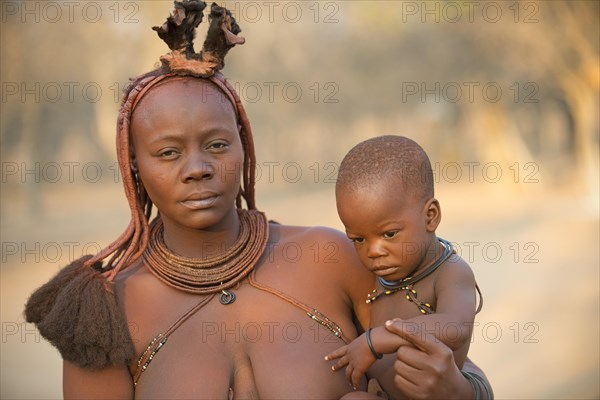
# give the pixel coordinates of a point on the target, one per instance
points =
(167, 153)
(390, 234)
(218, 145)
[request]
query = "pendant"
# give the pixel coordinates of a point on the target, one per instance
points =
(227, 297)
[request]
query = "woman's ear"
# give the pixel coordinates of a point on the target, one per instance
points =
(433, 214)
(134, 166)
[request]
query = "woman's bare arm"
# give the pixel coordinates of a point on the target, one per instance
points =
(107, 383)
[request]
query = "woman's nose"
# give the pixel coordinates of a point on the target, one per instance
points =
(198, 169)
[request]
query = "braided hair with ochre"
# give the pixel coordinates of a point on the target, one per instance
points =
(77, 310)
(178, 33)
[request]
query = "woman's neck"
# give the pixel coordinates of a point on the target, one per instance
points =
(202, 243)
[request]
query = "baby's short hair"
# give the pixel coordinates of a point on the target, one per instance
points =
(388, 160)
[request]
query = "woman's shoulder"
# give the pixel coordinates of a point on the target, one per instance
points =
(309, 233)
(326, 246)
(335, 263)
(134, 273)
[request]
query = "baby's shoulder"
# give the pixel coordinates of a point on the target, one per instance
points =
(454, 270)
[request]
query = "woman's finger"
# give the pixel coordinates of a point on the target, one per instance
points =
(406, 370)
(405, 385)
(411, 332)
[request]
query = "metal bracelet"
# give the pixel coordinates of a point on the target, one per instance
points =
(473, 381)
(486, 386)
(376, 354)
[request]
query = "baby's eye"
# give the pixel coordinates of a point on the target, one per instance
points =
(390, 234)
(357, 240)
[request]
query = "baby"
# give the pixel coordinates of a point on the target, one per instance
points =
(385, 199)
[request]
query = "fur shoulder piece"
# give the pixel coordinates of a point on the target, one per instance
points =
(77, 312)
(179, 31)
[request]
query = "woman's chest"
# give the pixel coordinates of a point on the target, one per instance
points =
(259, 346)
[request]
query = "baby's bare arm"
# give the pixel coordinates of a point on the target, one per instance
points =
(384, 341)
(452, 323)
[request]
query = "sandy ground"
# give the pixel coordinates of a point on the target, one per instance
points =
(535, 254)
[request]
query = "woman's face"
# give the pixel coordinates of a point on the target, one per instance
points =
(188, 153)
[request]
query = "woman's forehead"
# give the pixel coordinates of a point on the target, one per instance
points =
(182, 93)
(184, 87)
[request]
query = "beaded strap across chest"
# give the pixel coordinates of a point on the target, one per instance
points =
(160, 340)
(199, 277)
(311, 312)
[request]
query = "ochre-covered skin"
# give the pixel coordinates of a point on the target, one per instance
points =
(259, 346)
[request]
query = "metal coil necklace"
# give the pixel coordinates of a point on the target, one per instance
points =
(212, 274)
(391, 287)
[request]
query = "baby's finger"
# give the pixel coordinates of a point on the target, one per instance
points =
(355, 379)
(349, 371)
(336, 354)
(342, 362)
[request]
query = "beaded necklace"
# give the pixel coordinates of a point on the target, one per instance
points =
(391, 287)
(212, 274)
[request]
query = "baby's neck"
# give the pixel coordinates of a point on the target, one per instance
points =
(433, 251)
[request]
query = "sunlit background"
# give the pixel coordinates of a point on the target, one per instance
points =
(503, 95)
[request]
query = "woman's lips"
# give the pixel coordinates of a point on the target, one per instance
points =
(200, 203)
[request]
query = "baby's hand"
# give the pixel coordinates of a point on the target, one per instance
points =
(357, 356)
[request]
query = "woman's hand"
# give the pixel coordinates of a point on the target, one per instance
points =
(425, 367)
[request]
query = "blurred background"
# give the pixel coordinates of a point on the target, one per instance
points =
(504, 97)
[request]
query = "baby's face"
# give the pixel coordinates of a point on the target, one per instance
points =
(391, 230)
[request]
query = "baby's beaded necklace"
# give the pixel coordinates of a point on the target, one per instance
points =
(391, 287)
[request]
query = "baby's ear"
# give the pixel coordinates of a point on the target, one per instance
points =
(433, 214)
